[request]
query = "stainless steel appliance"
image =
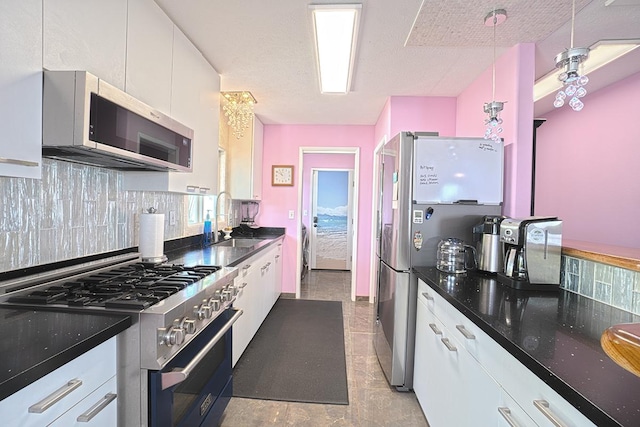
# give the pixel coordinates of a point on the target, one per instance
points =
(489, 249)
(174, 362)
(533, 249)
(432, 188)
(86, 120)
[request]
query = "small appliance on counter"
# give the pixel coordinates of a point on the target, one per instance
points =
(250, 211)
(533, 248)
(489, 249)
(453, 256)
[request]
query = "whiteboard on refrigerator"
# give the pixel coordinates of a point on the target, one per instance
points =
(448, 170)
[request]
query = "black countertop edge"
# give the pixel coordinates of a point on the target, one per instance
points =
(46, 366)
(571, 395)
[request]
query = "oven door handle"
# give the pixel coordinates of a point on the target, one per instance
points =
(178, 375)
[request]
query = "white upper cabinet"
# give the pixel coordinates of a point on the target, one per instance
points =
(245, 162)
(195, 89)
(149, 54)
(89, 35)
(21, 88)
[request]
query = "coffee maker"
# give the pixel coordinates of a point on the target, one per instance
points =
(533, 247)
(486, 238)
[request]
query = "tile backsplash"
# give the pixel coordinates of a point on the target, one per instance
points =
(74, 211)
(611, 285)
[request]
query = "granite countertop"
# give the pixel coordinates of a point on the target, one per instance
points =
(556, 335)
(37, 342)
(219, 254)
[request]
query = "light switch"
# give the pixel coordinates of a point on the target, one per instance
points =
(172, 217)
(292, 214)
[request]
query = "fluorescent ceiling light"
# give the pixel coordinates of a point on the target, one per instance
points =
(335, 29)
(600, 54)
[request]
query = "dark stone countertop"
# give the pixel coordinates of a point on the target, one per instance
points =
(554, 334)
(37, 342)
(219, 254)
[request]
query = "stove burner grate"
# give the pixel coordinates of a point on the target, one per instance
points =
(136, 286)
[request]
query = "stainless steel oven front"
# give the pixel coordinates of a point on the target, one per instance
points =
(194, 387)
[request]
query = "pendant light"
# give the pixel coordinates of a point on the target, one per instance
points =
(569, 61)
(493, 108)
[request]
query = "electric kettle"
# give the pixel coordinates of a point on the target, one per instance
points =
(452, 256)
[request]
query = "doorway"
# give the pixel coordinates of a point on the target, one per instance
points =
(303, 212)
(330, 219)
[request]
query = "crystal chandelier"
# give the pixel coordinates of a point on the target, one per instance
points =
(569, 61)
(493, 108)
(238, 109)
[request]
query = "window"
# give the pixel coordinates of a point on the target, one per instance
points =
(199, 206)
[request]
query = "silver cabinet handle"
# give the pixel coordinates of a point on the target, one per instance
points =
(19, 162)
(55, 397)
(192, 188)
(543, 406)
(427, 296)
(448, 344)
(204, 190)
(435, 329)
(243, 284)
(468, 335)
(506, 414)
(178, 375)
(97, 408)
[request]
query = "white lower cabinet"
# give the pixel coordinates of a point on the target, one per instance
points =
(68, 392)
(258, 289)
(478, 383)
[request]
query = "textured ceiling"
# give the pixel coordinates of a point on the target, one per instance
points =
(405, 48)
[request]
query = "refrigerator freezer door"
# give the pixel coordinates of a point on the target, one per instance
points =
(395, 329)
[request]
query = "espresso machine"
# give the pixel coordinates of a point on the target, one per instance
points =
(533, 248)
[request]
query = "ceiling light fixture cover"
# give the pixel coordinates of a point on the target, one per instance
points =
(569, 61)
(493, 108)
(335, 31)
(238, 109)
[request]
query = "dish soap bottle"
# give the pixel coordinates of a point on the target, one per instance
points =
(206, 234)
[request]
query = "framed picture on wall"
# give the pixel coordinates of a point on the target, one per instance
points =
(282, 175)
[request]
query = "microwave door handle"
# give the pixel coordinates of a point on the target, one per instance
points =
(178, 375)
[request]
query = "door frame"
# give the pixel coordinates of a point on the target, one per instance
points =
(375, 200)
(354, 208)
(350, 201)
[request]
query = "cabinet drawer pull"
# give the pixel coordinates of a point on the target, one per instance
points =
(435, 329)
(448, 344)
(427, 296)
(243, 284)
(19, 162)
(95, 409)
(204, 190)
(55, 397)
(506, 414)
(468, 335)
(192, 188)
(543, 406)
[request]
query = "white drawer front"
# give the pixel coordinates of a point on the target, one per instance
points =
(99, 409)
(93, 369)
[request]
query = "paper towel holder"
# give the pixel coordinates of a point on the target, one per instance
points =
(151, 250)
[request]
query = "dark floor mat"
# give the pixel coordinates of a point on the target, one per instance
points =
(297, 355)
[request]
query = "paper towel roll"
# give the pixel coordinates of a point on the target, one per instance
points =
(151, 237)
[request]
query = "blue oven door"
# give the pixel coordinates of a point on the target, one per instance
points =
(194, 388)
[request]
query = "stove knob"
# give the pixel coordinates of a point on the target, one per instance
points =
(203, 311)
(189, 326)
(218, 293)
(226, 295)
(234, 290)
(207, 311)
(215, 304)
(173, 336)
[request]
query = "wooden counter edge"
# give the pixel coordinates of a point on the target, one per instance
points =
(628, 258)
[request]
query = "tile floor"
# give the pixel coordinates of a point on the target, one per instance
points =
(372, 402)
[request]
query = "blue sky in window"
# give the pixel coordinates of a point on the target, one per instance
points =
(333, 195)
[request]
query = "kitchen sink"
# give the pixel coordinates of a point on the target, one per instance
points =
(240, 243)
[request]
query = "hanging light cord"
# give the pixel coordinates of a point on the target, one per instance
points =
(493, 85)
(573, 19)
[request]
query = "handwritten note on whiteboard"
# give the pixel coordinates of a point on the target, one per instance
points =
(447, 170)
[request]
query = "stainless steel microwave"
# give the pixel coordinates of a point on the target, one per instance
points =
(86, 120)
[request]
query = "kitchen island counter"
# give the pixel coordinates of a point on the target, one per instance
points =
(556, 335)
(34, 343)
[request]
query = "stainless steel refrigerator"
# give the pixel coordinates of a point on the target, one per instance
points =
(432, 188)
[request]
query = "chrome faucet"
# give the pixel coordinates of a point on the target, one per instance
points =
(228, 198)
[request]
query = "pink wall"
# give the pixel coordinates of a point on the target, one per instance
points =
(587, 169)
(322, 161)
(420, 113)
(281, 146)
(514, 85)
